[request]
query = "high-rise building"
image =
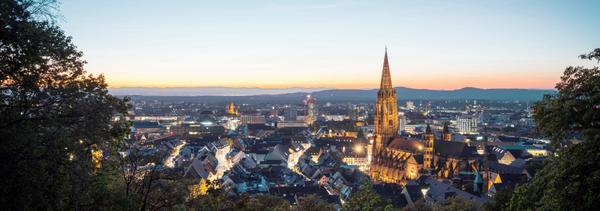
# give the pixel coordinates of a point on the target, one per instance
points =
(253, 119)
(311, 109)
(410, 105)
(290, 114)
(466, 124)
(401, 123)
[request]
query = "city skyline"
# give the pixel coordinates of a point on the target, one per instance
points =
(435, 45)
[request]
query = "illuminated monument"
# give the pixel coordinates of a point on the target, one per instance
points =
(396, 159)
(231, 109)
(386, 109)
(311, 109)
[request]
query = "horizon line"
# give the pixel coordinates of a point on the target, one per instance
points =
(315, 88)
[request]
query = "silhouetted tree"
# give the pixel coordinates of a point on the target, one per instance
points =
(365, 198)
(420, 205)
(313, 202)
(55, 119)
(569, 180)
(456, 203)
(574, 112)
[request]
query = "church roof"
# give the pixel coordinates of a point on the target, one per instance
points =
(502, 168)
(405, 144)
(453, 149)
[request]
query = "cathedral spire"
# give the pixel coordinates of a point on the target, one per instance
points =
(386, 113)
(385, 125)
(386, 78)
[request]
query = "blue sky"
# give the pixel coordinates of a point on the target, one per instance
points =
(335, 44)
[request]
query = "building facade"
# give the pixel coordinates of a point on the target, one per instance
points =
(396, 159)
(466, 124)
(311, 109)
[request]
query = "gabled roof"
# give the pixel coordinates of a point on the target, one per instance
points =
(405, 144)
(453, 149)
(439, 191)
(413, 191)
(517, 153)
(503, 169)
(291, 193)
(196, 170)
(512, 179)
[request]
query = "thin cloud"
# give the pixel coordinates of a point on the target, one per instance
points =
(308, 7)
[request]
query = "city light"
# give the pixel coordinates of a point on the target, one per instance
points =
(275, 119)
(358, 148)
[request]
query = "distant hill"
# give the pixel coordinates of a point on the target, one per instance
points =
(404, 93)
(359, 95)
(208, 91)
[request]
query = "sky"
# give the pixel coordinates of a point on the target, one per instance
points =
(332, 44)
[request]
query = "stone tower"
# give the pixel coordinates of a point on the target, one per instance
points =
(428, 148)
(446, 134)
(231, 109)
(386, 110)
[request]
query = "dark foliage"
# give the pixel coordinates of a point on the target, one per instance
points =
(53, 115)
(570, 180)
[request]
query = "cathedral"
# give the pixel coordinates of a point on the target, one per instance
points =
(397, 159)
(230, 109)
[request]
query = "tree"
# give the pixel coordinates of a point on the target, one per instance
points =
(262, 202)
(215, 199)
(313, 202)
(570, 180)
(456, 203)
(500, 200)
(574, 112)
(54, 117)
(365, 198)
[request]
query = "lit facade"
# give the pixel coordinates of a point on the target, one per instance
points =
(466, 124)
(396, 159)
(231, 109)
(311, 110)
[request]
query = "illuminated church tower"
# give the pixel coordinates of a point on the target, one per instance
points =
(446, 134)
(428, 149)
(231, 109)
(311, 109)
(386, 110)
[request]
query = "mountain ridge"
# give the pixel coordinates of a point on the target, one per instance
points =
(369, 95)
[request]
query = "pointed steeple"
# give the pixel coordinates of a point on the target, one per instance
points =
(446, 130)
(386, 78)
(386, 113)
(428, 129)
(446, 134)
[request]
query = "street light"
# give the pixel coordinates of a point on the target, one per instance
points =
(358, 148)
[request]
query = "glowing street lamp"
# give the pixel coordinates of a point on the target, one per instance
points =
(358, 148)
